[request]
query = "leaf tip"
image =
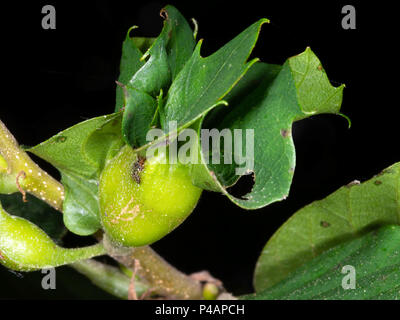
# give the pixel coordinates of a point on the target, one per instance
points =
(128, 33)
(198, 47)
(164, 13)
(196, 28)
(347, 118)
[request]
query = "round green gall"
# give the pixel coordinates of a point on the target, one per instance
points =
(142, 200)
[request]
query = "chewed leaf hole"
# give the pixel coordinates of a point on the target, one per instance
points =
(242, 187)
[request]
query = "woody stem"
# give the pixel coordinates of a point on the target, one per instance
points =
(18, 172)
(164, 279)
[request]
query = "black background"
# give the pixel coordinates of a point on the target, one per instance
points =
(56, 78)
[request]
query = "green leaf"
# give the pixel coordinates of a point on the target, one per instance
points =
(347, 213)
(181, 40)
(143, 44)
(79, 153)
(69, 150)
(167, 55)
(105, 142)
(155, 73)
(224, 175)
(81, 208)
(203, 82)
(36, 211)
(138, 115)
(375, 258)
(130, 64)
(270, 99)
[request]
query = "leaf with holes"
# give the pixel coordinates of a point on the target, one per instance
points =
(350, 211)
(203, 82)
(263, 108)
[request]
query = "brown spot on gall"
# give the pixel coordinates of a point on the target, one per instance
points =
(137, 169)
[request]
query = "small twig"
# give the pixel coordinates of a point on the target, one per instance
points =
(196, 28)
(146, 294)
(109, 278)
(22, 191)
(132, 291)
(163, 278)
(205, 276)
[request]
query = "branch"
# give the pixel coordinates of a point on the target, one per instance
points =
(108, 278)
(19, 173)
(163, 278)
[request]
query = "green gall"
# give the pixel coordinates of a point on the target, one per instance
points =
(26, 247)
(142, 200)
